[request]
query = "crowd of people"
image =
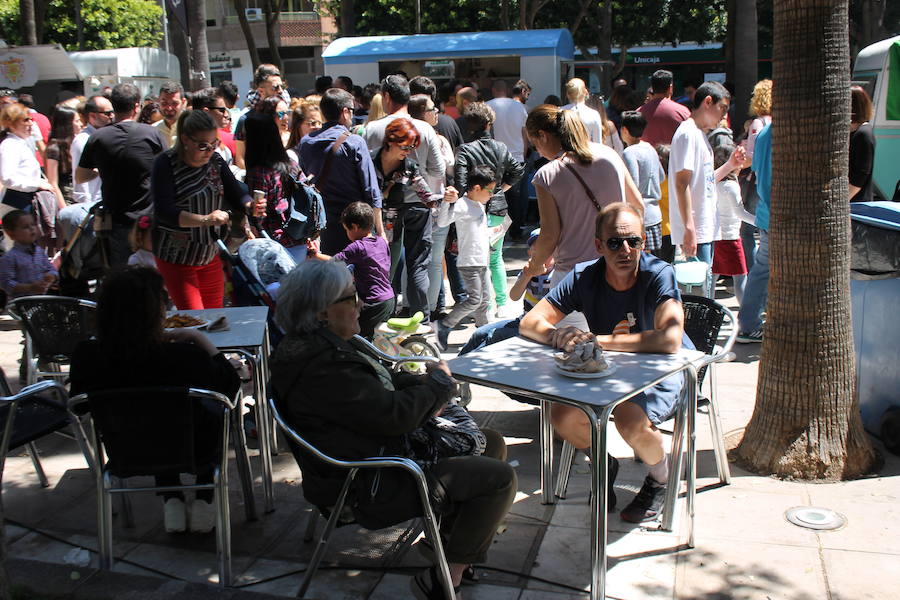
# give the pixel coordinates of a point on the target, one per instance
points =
(421, 185)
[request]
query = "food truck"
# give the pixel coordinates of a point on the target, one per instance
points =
(873, 69)
(542, 57)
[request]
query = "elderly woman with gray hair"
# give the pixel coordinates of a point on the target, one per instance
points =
(348, 405)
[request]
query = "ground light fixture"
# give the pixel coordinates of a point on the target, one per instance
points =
(812, 517)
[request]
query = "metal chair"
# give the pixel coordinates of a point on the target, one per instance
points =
(36, 411)
(123, 433)
(54, 326)
(300, 446)
(703, 321)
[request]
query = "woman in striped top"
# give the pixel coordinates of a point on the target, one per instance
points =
(195, 196)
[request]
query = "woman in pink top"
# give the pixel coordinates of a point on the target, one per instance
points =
(580, 179)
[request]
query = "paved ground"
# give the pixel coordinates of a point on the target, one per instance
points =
(745, 548)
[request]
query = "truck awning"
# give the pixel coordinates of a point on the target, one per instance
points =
(23, 66)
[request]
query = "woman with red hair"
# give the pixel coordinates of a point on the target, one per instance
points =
(406, 208)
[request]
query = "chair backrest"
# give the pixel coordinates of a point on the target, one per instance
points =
(56, 324)
(703, 320)
(30, 414)
(146, 431)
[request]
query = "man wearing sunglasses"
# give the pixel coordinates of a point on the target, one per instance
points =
(210, 100)
(98, 112)
(632, 304)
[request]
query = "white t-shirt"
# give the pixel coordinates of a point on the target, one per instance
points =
(471, 229)
(508, 124)
(690, 151)
(90, 191)
(591, 119)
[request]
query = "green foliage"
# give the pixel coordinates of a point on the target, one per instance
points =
(107, 23)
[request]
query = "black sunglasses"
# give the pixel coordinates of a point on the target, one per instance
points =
(221, 109)
(354, 296)
(614, 243)
(108, 113)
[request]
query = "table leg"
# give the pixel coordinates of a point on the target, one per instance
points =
(547, 496)
(264, 428)
(691, 376)
(599, 481)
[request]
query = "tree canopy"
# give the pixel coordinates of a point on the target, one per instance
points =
(106, 23)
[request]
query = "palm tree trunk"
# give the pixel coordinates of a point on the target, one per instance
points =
(240, 6)
(806, 423)
(199, 49)
(272, 10)
(348, 17)
(745, 59)
(28, 22)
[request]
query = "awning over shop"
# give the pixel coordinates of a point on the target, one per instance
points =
(23, 66)
(536, 42)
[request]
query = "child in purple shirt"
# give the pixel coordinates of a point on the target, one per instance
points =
(369, 257)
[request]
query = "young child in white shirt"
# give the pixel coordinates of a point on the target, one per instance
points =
(728, 257)
(473, 242)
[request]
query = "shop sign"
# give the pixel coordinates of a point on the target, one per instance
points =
(17, 70)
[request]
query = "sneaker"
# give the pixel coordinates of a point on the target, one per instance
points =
(427, 586)
(752, 337)
(647, 504)
(507, 311)
(203, 516)
(174, 515)
(443, 335)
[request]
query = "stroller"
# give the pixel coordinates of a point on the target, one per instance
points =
(256, 269)
(85, 258)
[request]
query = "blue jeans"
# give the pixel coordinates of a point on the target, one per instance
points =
(705, 253)
(749, 243)
(756, 292)
(491, 334)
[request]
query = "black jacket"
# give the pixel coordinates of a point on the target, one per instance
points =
(336, 399)
(490, 152)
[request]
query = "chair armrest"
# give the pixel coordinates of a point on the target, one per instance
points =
(395, 360)
(33, 391)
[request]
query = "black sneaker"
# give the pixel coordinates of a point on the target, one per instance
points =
(427, 586)
(647, 504)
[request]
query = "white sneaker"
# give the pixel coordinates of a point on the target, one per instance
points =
(203, 516)
(507, 311)
(174, 515)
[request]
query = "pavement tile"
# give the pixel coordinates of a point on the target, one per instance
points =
(263, 569)
(861, 575)
(189, 565)
(35, 546)
(39, 576)
(393, 586)
(871, 526)
(713, 570)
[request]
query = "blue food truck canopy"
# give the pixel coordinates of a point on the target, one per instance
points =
(885, 215)
(533, 42)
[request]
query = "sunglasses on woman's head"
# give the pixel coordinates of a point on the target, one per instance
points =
(206, 146)
(614, 243)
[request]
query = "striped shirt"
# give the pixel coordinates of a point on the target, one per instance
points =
(177, 187)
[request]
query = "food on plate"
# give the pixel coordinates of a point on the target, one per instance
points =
(177, 321)
(586, 357)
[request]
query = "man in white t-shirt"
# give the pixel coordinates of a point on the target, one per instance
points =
(97, 113)
(692, 179)
(509, 128)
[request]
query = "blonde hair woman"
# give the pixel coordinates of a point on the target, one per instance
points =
(761, 110)
(577, 93)
(580, 179)
(376, 109)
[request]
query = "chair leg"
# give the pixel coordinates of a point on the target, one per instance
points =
(566, 460)
(718, 435)
(243, 464)
(676, 462)
(311, 525)
(223, 528)
(105, 522)
(38, 467)
(319, 552)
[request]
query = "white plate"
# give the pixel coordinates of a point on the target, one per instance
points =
(575, 375)
(200, 326)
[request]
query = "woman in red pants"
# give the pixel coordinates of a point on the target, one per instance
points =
(195, 196)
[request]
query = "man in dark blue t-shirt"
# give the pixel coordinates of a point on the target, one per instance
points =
(632, 304)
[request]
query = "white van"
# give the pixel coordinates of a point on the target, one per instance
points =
(872, 72)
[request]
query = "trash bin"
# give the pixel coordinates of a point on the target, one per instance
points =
(875, 298)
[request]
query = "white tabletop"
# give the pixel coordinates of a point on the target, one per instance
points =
(247, 325)
(522, 364)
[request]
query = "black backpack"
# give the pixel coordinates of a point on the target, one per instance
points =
(306, 213)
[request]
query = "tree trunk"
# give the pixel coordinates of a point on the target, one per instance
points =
(523, 14)
(272, 10)
(27, 22)
(180, 49)
(200, 77)
(504, 14)
(728, 46)
(240, 6)
(79, 25)
(348, 17)
(806, 423)
(745, 60)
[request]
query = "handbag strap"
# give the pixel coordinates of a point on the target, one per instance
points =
(582, 182)
(326, 168)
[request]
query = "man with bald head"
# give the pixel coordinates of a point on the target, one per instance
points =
(632, 304)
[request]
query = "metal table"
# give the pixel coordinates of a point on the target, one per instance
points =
(249, 336)
(524, 367)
